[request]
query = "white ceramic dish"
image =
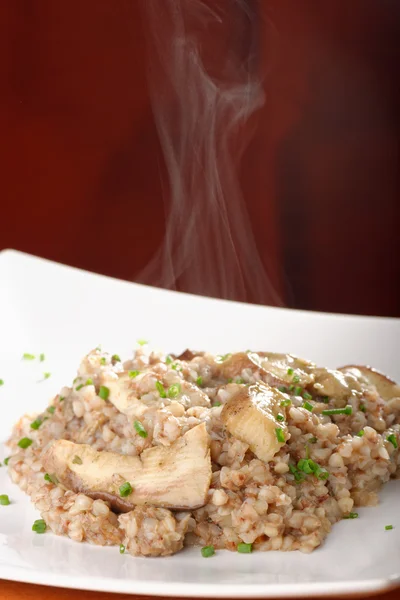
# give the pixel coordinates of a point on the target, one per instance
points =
(64, 312)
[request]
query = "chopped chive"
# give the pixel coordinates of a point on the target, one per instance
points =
(351, 515)
(222, 357)
(104, 392)
(79, 387)
(321, 473)
(98, 348)
(51, 478)
(24, 442)
(290, 371)
(125, 489)
(28, 356)
(217, 404)
(308, 406)
(230, 380)
(280, 417)
(297, 391)
(286, 402)
(160, 389)
(207, 551)
(75, 380)
(77, 460)
(176, 367)
(61, 398)
(46, 375)
(307, 451)
(115, 358)
(39, 526)
(280, 436)
(1, 381)
(239, 380)
(133, 374)
(42, 357)
(362, 407)
(338, 411)
(308, 466)
(199, 381)
(392, 439)
(388, 527)
(298, 475)
(89, 382)
(296, 379)
(291, 388)
(313, 440)
(361, 433)
(4, 500)
(245, 548)
(6, 460)
(121, 549)
(307, 396)
(325, 399)
(282, 388)
(168, 359)
(174, 390)
(142, 342)
(103, 360)
(140, 429)
(36, 423)
(51, 409)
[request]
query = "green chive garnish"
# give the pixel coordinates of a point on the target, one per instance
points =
(103, 360)
(239, 380)
(39, 526)
(160, 389)
(89, 382)
(46, 375)
(42, 357)
(140, 429)
(297, 391)
(4, 500)
(24, 442)
(290, 371)
(325, 399)
(363, 408)
(6, 460)
(280, 417)
(338, 411)
(230, 380)
(79, 387)
(245, 548)
(307, 396)
(77, 460)
(51, 409)
(223, 357)
(313, 440)
(168, 359)
(388, 527)
(51, 478)
(142, 342)
(1, 381)
(282, 388)
(125, 489)
(133, 374)
(121, 549)
(28, 356)
(392, 439)
(351, 515)
(217, 404)
(321, 473)
(280, 436)
(36, 423)
(308, 406)
(61, 398)
(199, 381)
(307, 465)
(104, 392)
(296, 379)
(115, 358)
(361, 433)
(207, 551)
(286, 402)
(174, 390)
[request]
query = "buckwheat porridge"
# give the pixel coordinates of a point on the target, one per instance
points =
(247, 451)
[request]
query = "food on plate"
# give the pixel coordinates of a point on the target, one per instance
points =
(245, 451)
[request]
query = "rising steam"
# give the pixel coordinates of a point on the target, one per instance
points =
(202, 96)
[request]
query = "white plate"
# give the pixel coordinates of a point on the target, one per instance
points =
(64, 312)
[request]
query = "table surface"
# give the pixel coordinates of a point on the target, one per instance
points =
(12, 590)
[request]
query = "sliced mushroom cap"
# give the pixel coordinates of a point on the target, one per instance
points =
(250, 416)
(176, 477)
(386, 387)
(232, 367)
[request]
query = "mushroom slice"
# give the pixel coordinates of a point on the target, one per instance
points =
(386, 387)
(176, 477)
(233, 366)
(250, 416)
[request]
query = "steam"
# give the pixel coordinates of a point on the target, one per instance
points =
(201, 101)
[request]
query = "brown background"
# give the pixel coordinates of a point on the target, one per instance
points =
(81, 180)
